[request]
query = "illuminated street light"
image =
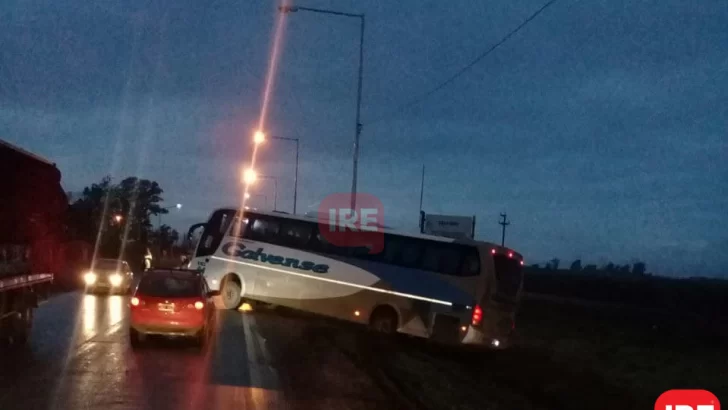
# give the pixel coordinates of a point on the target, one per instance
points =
(250, 176)
(247, 195)
(259, 137)
(159, 215)
(117, 218)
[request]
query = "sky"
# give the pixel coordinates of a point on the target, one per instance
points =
(600, 127)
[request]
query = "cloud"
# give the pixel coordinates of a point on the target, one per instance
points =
(599, 128)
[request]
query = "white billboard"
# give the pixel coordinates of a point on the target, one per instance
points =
(450, 226)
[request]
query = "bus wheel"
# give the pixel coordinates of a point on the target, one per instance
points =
(383, 320)
(231, 293)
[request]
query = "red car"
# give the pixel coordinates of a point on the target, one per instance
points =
(172, 302)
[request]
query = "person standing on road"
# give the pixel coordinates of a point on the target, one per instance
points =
(148, 260)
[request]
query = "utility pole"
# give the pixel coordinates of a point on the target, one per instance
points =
(422, 186)
(503, 223)
(422, 194)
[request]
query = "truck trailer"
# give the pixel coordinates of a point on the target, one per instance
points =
(32, 213)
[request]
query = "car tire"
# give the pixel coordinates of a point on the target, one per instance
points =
(135, 339)
(201, 339)
(231, 295)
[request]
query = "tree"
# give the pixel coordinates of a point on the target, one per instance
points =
(576, 265)
(140, 199)
(609, 267)
(554, 263)
(639, 268)
(165, 237)
(110, 214)
(590, 268)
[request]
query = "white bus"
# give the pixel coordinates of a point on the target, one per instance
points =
(454, 291)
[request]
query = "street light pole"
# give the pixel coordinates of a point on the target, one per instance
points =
(358, 114)
(358, 126)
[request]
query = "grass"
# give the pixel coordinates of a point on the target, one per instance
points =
(633, 350)
(567, 357)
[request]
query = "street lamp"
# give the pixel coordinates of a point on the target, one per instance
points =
(250, 176)
(159, 215)
(358, 125)
(259, 137)
(117, 218)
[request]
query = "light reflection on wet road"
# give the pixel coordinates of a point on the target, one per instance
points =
(80, 358)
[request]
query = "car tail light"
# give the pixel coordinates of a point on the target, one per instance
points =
(135, 301)
(199, 305)
(477, 315)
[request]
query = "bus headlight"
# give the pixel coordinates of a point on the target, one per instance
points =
(115, 279)
(89, 278)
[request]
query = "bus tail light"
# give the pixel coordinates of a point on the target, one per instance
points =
(477, 315)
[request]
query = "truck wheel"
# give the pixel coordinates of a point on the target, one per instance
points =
(231, 294)
(22, 327)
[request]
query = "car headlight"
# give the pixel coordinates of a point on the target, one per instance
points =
(89, 278)
(115, 279)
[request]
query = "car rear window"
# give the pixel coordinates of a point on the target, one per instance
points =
(109, 264)
(169, 287)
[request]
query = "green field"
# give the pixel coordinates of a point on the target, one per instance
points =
(572, 356)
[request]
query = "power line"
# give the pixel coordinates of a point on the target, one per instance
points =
(463, 70)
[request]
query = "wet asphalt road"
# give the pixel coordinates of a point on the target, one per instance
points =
(80, 358)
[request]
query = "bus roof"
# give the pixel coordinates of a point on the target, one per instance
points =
(318, 219)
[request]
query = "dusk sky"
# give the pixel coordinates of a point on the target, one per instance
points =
(600, 127)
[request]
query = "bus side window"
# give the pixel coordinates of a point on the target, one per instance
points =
(402, 251)
(319, 244)
(264, 230)
(295, 234)
(239, 228)
(471, 263)
(442, 258)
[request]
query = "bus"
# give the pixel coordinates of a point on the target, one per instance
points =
(456, 291)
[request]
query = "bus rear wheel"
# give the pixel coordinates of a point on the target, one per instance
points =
(383, 320)
(231, 294)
